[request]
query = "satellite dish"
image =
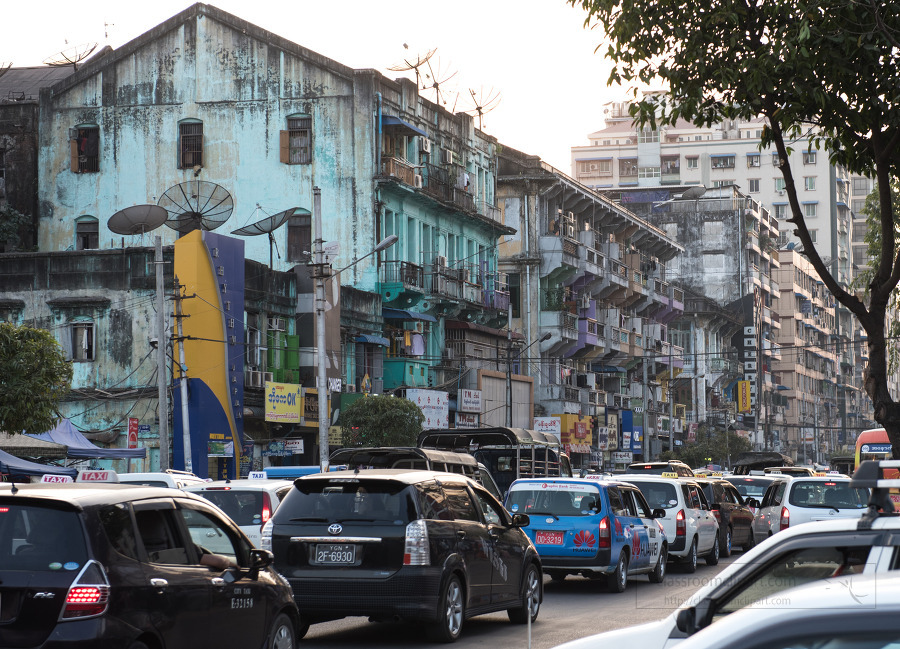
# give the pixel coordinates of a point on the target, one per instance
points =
(196, 205)
(269, 224)
(272, 223)
(137, 219)
(72, 56)
(693, 193)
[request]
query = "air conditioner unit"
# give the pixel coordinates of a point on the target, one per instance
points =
(349, 387)
(448, 354)
(446, 157)
(424, 145)
(253, 379)
(440, 260)
(276, 324)
(570, 231)
(417, 181)
(781, 192)
(267, 377)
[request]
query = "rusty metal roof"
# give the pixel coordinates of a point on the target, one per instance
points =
(24, 84)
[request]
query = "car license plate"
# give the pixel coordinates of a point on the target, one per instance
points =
(548, 538)
(335, 554)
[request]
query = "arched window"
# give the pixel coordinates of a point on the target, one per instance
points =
(87, 233)
(190, 143)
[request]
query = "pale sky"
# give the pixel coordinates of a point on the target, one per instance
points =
(536, 54)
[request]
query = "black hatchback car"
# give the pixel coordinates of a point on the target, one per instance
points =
(398, 544)
(130, 568)
(734, 515)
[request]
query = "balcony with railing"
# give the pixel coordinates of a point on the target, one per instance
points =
(399, 169)
(401, 281)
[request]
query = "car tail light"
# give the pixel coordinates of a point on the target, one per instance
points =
(265, 536)
(267, 508)
(88, 596)
(785, 518)
(718, 516)
(416, 552)
(604, 537)
(680, 526)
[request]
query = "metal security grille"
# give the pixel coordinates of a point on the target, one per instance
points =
(300, 139)
(191, 141)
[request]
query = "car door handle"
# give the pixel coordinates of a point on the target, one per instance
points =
(217, 582)
(156, 582)
(461, 534)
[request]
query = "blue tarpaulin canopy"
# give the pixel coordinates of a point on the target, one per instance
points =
(12, 465)
(373, 340)
(403, 314)
(390, 120)
(80, 446)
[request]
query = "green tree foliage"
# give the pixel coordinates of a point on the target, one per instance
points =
(34, 377)
(381, 421)
(821, 72)
(713, 446)
(12, 225)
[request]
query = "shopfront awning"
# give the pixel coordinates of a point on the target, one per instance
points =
(403, 314)
(389, 121)
(373, 340)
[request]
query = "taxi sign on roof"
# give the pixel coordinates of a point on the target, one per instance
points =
(670, 474)
(105, 475)
(56, 478)
(257, 475)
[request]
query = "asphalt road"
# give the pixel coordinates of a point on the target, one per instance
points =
(572, 609)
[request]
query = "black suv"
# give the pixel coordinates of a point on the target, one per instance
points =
(403, 544)
(131, 568)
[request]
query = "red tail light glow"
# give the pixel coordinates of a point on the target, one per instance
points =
(680, 526)
(603, 536)
(267, 507)
(86, 601)
(785, 518)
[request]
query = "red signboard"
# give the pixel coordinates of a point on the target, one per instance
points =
(132, 432)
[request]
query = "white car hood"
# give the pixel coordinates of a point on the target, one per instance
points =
(651, 634)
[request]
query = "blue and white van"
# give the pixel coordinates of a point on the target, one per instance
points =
(597, 528)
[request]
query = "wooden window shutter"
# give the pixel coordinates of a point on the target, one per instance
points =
(284, 146)
(73, 155)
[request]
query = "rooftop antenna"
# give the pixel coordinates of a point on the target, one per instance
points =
(484, 102)
(4, 67)
(269, 224)
(435, 78)
(414, 65)
(196, 205)
(106, 27)
(71, 56)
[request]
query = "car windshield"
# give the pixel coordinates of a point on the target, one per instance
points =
(658, 494)
(827, 493)
(348, 499)
(243, 507)
(751, 487)
(40, 539)
(561, 500)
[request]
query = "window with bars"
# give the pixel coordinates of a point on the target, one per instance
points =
(296, 141)
(190, 145)
(85, 149)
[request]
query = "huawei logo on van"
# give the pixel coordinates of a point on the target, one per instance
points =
(584, 538)
(335, 528)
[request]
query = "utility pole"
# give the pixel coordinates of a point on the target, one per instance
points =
(185, 418)
(509, 393)
(162, 388)
(645, 417)
(671, 397)
(321, 352)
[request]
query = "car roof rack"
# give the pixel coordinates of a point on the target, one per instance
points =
(870, 475)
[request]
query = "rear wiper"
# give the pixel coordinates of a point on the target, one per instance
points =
(543, 514)
(309, 518)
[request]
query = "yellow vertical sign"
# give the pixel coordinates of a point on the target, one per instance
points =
(743, 396)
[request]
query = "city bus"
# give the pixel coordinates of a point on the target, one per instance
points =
(873, 444)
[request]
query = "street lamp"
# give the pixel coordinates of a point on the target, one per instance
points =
(543, 338)
(321, 274)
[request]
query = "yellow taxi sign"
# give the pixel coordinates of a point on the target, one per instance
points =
(670, 474)
(717, 473)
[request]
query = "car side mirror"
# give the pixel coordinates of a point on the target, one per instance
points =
(260, 558)
(659, 512)
(686, 620)
(521, 520)
(752, 502)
